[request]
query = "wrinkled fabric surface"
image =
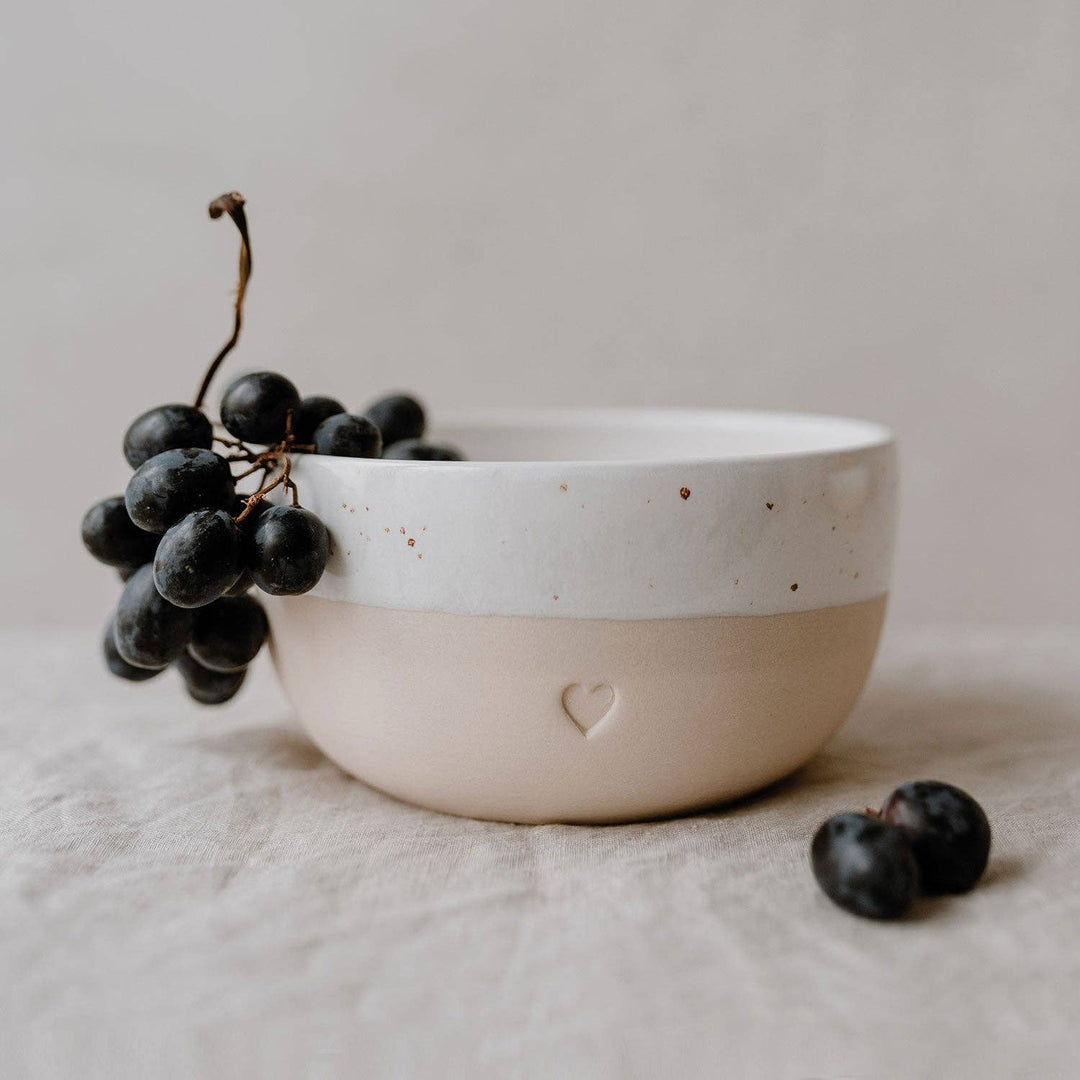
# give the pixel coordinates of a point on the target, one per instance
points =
(193, 892)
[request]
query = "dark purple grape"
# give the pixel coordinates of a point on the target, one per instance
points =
(112, 537)
(229, 633)
(346, 435)
(168, 427)
(198, 558)
(172, 484)
(288, 550)
(208, 687)
(418, 450)
(118, 665)
(947, 830)
(255, 406)
(149, 631)
(398, 417)
(310, 413)
(865, 865)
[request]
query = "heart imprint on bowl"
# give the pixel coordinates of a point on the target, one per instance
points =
(587, 706)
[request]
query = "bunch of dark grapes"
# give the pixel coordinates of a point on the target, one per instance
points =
(190, 547)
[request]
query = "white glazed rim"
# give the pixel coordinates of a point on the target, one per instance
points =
(743, 533)
(837, 434)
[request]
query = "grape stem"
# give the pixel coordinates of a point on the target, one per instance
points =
(265, 455)
(234, 444)
(268, 460)
(257, 497)
(231, 203)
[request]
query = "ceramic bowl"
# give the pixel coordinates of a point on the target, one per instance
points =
(603, 615)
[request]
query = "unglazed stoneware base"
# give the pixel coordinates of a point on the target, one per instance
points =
(542, 719)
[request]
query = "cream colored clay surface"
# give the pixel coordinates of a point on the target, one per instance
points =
(535, 719)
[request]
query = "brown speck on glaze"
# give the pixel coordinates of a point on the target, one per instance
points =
(562, 487)
(684, 493)
(352, 509)
(386, 529)
(344, 506)
(833, 529)
(402, 530)
(367, 509)
(555, 596)
(804, 502)
(423, 528)
(856, 575)
(794, 586)
(412, 542)
(769, 506)
(736, 581)
(419, 554)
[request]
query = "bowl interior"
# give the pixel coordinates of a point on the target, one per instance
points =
(605, 434)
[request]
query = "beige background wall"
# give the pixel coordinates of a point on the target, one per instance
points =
(847, 207)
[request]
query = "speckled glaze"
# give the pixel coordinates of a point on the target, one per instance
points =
(615, 614)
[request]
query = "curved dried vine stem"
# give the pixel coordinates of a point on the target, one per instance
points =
(269, 460)
(231, 203)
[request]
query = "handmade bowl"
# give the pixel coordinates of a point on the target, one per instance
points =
(604, 615)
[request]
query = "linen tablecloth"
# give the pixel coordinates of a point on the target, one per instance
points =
(193, 892)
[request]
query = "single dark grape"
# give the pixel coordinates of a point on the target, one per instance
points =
(168, 427)
(172, 484)
(418, 450)
(117, 664)
(229, 633)
(288, 550)
(346, 435)
(112, 537)
(397, 417)
(209, 687)
(947, 830)
(310, 413)
(149, 631)
(865, 865)
(198, 558)
(255, 406)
